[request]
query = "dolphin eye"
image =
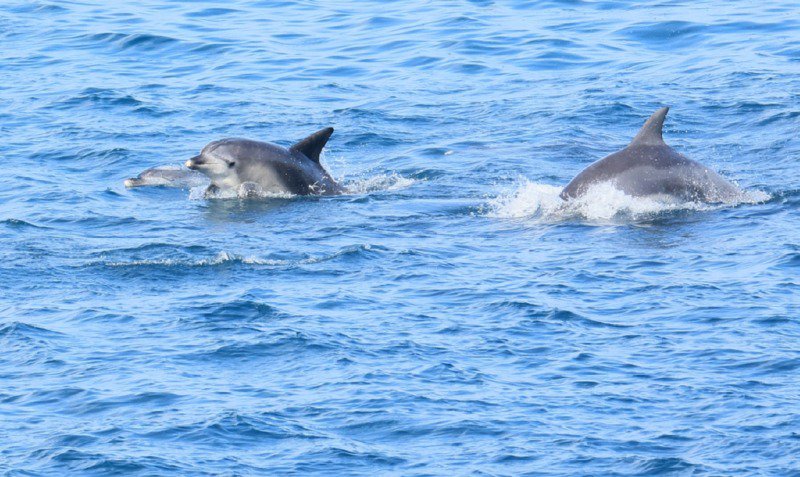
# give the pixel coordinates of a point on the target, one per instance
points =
(231, 164)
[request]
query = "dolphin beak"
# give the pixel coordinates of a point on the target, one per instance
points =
(192, 163)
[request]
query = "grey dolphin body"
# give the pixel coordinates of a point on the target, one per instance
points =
(649, 167)
(231, 163)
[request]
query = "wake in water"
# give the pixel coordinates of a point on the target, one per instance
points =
(381, 182)
(601, 203)
(226, 258)
(250, 190)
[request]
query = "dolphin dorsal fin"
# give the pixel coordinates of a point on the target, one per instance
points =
(650, 134)
(312, 146)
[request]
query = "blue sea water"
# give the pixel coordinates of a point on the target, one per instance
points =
(448, 316)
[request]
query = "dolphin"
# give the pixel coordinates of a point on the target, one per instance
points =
(235, 162)
(167, 177)
(648, 167)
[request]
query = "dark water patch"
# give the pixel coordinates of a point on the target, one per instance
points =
(237, 430)
(149, 44)
(104, 315)
(73, 440)
(92, 462)
(63, 396)
(424, 62)
(791, 51)
(382, 22)
(340, 460)
(538, 314)
(212, 12)
(141, 41)
(233, 314)
(144, 42)
(451, 373)
(277, 344)
(92, 221)
(789, 260)
(777, 321)
(29, 347)
(556, 61)
(209, 48)
(18, 224)
(117, 404)
(741, 27)
(40, 8)
(149, 464)
(785, 117)
(665, 35)
(101, 98)
(17, 330)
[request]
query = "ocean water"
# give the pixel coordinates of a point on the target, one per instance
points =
(449, 316)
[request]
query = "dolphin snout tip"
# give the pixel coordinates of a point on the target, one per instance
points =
(189, 164)
(129, 183)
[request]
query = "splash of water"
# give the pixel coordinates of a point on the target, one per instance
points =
(602, 203)
(250, 190)
(380, 182)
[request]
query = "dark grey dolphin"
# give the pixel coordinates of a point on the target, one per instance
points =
(230, 163)
(649, 167)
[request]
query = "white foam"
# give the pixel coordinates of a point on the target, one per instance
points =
(382, 182)
(242, 192)
(601, 203)
(219, 259)
(224, 257)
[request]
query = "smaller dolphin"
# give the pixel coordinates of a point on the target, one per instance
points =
(167, 177)
(648, 167)
(229, 163)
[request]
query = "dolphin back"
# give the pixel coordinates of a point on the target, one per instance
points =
(650, 167)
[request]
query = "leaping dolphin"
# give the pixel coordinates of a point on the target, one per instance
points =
(648, 167)
(231, 163)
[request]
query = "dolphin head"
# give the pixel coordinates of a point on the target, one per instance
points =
(218, 161)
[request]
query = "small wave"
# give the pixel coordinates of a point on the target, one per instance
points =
(219, 259)
(225, 258)
(284, 344)
(24, 330)
(212, 12)
(20, 224)
(601, 203)
(125, 41)
(667, 465)
(235, 311)
(105, 404)
(665, 35)
(102, 97)
(239, 429)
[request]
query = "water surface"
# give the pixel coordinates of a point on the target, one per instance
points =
(440, 319)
